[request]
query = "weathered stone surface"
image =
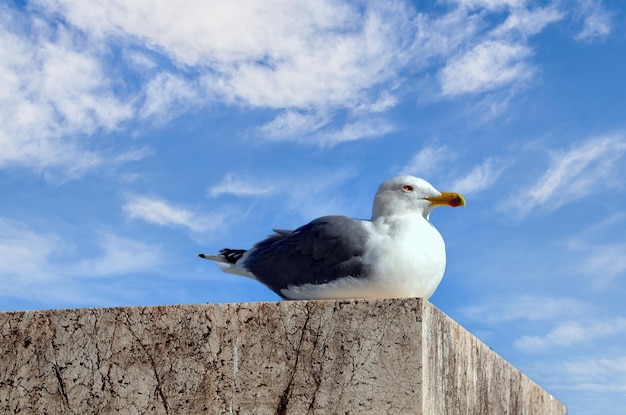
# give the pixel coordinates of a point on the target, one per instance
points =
(300, 357)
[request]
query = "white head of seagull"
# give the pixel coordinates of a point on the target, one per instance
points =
(396, 254)
(408, 195)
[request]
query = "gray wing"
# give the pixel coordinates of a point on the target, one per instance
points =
(321, 251)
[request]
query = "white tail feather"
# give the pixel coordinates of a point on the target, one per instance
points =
(227, 266)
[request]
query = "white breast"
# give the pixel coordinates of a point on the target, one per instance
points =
(407, 257)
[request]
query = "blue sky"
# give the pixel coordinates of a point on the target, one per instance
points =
(134, 135)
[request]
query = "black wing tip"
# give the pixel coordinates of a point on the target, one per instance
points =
(232, 255)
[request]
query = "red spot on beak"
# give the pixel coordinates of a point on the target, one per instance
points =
(457, 201)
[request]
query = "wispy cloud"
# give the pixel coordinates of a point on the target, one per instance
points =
(570, 333)
(498, 57)
(314, 127)
(607, 371)
(527, 22)
(585, 168)
(238, 185)
(133, 154)
(310, 194)
(428, 160)
(316, 193)
(53, 86)
(436, 159)
(605, 263)
(317, 64)
(600, 253)
(337, 57)
(589, 382)
(489, 4)
(596, 20)
(489, 65)
(321, 53)
(119, 256)
(532, 308)
(294, 125)
(356, 129)
(168, 95)
(481, 177)
(24, 252)
(163, 213)
(41, 264)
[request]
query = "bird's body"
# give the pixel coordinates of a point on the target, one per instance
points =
(396, 254)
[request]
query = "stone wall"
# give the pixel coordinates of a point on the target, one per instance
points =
(294, 357)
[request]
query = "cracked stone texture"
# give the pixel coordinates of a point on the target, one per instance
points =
(294, 357)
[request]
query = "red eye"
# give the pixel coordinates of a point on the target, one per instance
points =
(407, 188)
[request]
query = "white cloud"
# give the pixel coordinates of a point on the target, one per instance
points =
(588, 382)
(584, 169)
(489, 65)
(314, 194)
(440, 36)
(490, 4)
(527, 307)
(31, 255)
(119, 256)
(595, 370)
(596, 20)
(25, 253)
(570, 333)
(42, 265)
(365, 127)
(168, 95)
(241, 186)
(314, 127)
(481, 177)
(160, 212)
(315, 62)
(274, 54)
(428, 160)
(498, 57)
(603, 263)
(600, 253)
(310, 194)
(527, 22)
(54, 89)
(133, 154)
(314, 58)
(294, 125)
(385, 101)
(140, 61)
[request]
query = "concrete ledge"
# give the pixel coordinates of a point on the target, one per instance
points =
(299, 357)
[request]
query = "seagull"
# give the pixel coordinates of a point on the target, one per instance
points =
(398, 253)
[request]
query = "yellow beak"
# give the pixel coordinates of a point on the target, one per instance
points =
(447, 199)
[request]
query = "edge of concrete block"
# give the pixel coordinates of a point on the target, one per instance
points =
(318, 357)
